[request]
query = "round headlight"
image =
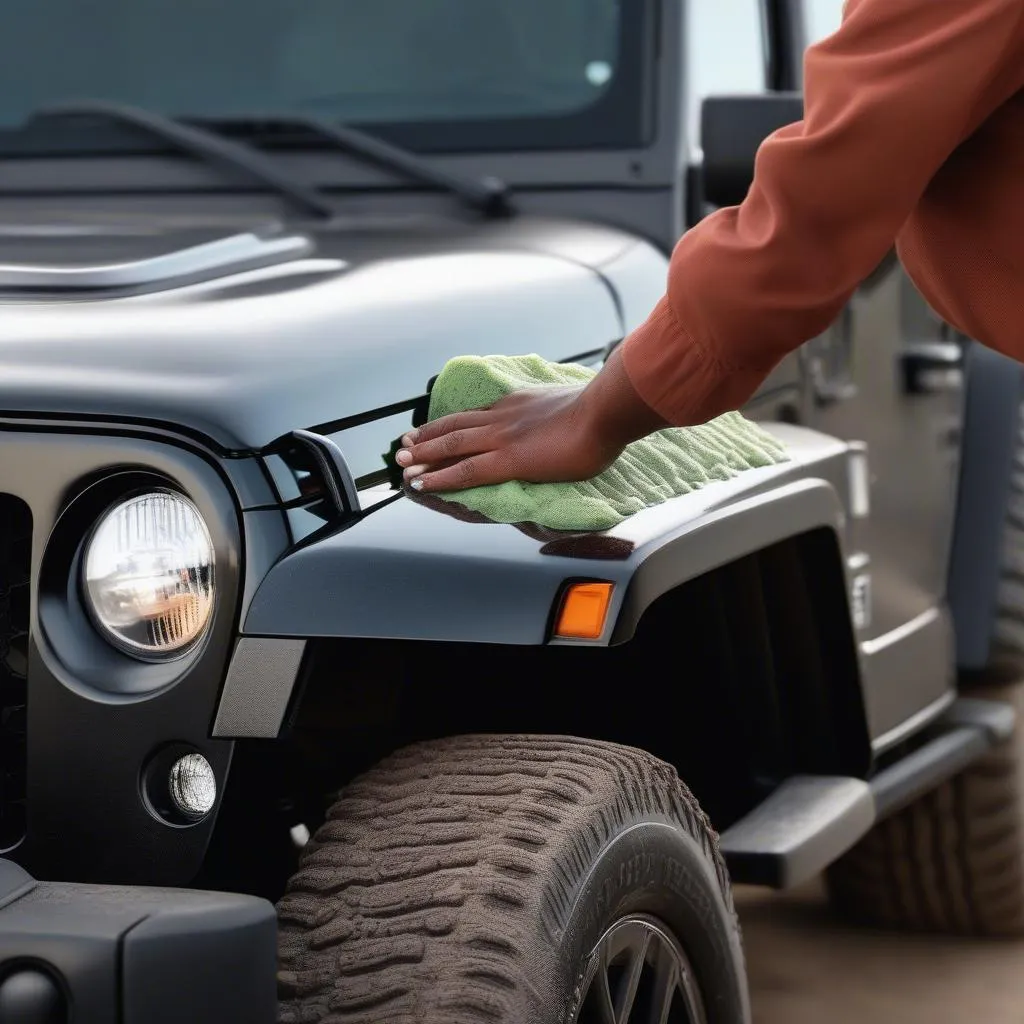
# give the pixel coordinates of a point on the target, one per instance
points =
(149, 575)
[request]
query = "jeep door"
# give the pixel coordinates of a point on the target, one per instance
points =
(888, 373)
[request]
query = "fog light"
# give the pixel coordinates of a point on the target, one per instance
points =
(192, 785)
(32, 997)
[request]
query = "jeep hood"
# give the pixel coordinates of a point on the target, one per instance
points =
(243, 334)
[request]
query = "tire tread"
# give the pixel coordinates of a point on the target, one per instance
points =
(439, 861)
(952, 862)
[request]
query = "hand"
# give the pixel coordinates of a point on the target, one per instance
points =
(540, 435)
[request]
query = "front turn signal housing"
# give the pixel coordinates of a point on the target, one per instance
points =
(583, 611)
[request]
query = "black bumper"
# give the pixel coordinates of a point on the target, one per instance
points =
(97, 954)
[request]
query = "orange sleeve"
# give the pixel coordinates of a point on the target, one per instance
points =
(887, 100)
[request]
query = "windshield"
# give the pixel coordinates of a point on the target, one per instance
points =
(432, 74)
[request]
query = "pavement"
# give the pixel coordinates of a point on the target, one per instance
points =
(806, 967)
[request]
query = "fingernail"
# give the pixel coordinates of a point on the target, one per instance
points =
(410, 439)
(404, 457)
(417, 484)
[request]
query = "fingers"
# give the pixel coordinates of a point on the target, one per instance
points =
(411, 472)
(455, 452)
(454, 445)
(475, 471)
(446, 425)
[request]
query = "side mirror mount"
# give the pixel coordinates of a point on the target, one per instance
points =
(732, 130)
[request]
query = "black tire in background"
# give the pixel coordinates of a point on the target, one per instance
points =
(1008, 628)
(953, 861)
(517, 880)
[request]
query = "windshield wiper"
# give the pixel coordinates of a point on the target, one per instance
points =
(200, 143)
(202, 138)
(488, 195)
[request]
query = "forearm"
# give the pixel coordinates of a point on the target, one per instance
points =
(888, 98)
(611, 411)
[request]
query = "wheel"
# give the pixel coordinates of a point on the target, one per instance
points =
(953, 861)
(1008, 629)
(517, 880)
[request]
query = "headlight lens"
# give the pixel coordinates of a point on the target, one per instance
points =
(149, 575)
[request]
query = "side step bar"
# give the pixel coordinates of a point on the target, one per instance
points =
(967, 731)
(809, 821)
(800, 829)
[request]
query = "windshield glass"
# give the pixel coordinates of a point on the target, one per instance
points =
(434, 74)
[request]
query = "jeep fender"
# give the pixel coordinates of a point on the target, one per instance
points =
(414, 570)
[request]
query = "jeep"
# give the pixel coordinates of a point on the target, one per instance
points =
(283, 741)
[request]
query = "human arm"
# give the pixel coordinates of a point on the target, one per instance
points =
(888, 98)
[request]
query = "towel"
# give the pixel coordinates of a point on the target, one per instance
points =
(649, 471)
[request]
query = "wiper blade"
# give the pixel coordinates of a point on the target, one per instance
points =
(488, 195)
(197, 142)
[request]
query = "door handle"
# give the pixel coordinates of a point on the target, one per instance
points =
(828, 362)
(930, 367)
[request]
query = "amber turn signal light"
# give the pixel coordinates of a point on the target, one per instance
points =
(584, 610)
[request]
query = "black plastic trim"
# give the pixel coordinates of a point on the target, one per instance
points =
(919, 772)
(258, 690)
(732, 131)
(358, 419)
(785, 45)
(762, 520)
(141, 956)
(334, 469)
(809, 821)
(798, 831)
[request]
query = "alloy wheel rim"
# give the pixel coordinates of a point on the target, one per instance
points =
(638, 973)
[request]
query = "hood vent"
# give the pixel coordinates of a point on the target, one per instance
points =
(73, 262)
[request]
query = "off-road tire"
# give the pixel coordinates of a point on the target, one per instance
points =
(1008, 628)
(953, 861)
(467, 880)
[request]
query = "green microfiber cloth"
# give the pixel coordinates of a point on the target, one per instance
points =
(670, 462)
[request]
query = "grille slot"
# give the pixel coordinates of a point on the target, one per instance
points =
(15, 568)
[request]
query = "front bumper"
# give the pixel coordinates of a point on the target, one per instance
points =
(104, 954)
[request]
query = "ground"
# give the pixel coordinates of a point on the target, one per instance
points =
(806, 968)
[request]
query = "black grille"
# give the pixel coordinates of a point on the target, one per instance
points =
(15, 563)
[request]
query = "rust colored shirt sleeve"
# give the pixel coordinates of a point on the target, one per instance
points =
(887, 100)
